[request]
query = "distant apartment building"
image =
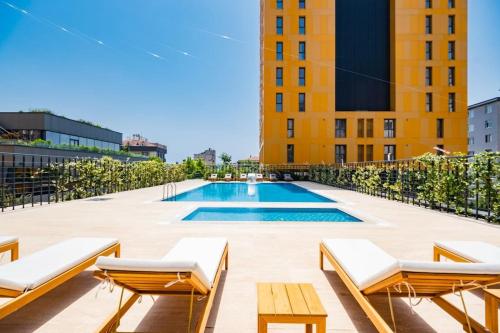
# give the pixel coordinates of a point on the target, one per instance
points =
(44, 133)
(484, 124)
(208, 156)
(140, 145)
(359, 80)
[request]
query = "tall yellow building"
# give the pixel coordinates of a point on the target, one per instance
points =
(362, 80)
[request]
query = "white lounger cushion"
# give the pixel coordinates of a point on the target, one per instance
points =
(35, 269)
(473, 250)
(366, 264)
(7, 239)
(200, 256)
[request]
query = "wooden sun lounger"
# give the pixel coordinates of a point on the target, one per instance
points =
(157, 283)
(20, 298)
(425, 284)
(10, 244)
(467, 251)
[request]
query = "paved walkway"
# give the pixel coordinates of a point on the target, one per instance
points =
(147, 228)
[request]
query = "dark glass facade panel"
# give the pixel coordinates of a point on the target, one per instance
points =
(362, 34)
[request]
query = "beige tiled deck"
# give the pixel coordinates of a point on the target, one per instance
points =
(147, 228)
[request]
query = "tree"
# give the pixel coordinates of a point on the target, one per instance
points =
(226, 158)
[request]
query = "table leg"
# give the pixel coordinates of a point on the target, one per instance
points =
(491, 304)
(321, 326)
(262, 325)
(309, 328)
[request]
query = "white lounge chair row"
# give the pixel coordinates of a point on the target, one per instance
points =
(194, 265)
(244, 176)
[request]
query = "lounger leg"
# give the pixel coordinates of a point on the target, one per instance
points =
(202, 323)
(321, 326)
(491, 304)
(114, 319)
(437, 255)
(14, 252)
(117, 251)
(226, 262)
(459, 315)
(262, 325)
(320, 258)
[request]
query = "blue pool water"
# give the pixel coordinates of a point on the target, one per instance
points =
(264, 192)
(270, 214)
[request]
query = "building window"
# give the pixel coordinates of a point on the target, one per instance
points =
(361, 153)
(471, 141)
(302, 76)
(369, 128)
(389, 152)
(290, 127)
(451, 76)
(451, 102)
(451, 24)
(488, 109)
(361, 128)
(279, 25)
(428, 102)
(302, 102)
(340, 153)
(369, 153)
(487, 124)
(428, 76)
(279, 50)
(279, 4)
(440, 128)
(428, 50)
(302, 50)
(389, 128)
(302, 4)
(451, 50)
(279, 76)
(428, 24)
(74, 142)
(487, 138)
(471, 128)
(290, 153)
(279, 102)
(340, 128)
(451, 4)
(471, 114)
(302, 25)
(428, 3)
(440, 150)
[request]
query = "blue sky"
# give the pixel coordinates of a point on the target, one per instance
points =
(184, 73)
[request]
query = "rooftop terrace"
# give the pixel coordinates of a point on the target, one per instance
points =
(259, 252)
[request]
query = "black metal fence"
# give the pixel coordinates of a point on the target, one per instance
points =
(29, 180)
(465, 185)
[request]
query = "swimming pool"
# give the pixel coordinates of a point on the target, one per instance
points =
(241, 214)
(261, 192)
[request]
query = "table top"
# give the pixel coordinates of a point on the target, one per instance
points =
(493, 292)
(289, 299)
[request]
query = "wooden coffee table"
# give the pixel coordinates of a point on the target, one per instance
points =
(492, 301)
(290, 303)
